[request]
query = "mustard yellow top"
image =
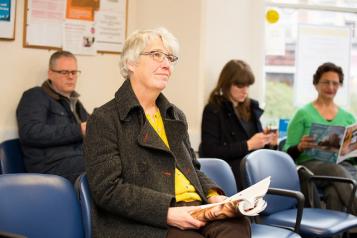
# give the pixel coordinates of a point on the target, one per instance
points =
(184, 190)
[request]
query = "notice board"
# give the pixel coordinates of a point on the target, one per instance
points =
(80, 26)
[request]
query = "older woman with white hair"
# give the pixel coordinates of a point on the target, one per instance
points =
(143, 174)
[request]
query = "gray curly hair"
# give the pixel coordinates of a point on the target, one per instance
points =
(138, 40)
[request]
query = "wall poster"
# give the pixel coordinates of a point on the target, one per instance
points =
(7, 19)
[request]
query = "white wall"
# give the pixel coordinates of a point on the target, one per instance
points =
(210, 33)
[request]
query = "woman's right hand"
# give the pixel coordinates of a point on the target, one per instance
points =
(306, 142)
(181, 218)
(258, 141)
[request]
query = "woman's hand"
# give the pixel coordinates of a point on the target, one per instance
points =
(258, 141)
(181, 218)
(273, 138)
(306, 142)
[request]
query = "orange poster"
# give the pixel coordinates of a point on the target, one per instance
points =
(81, 9)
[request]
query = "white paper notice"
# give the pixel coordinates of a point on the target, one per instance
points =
(45, 22)
(275, 40)
(317, 45)
(79, 37)
(110, 25)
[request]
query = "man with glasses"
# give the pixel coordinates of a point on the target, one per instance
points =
(52, 121)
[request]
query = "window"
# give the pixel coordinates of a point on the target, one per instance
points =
(280, 69)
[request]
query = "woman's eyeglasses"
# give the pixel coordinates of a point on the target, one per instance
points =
(159, 56)
(328, 83)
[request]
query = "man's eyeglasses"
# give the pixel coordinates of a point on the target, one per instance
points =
(159, 56)
(328, 83)
(67, 72)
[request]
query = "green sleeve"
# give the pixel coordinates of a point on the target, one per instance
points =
(296, 129)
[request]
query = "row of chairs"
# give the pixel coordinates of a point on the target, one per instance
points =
(41, 205)
(281, 211)
(12, 162)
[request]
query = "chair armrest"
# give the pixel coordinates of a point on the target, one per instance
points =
(338, 180)
(10, 235)
(300, 200)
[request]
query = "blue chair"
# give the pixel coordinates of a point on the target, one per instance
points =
(220, 171)
(39, 206)
(288, 211)
(11, 157)
(85, 200)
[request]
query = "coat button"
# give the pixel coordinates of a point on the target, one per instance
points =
(233, 133)
(225, 143)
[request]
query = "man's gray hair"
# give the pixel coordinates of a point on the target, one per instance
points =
(138, 40)
(59, 54)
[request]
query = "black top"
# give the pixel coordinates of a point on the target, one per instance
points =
(224, 136)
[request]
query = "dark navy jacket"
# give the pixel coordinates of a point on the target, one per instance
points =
(49, 132)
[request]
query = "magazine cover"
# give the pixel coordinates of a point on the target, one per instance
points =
(349, 144)
(248, 202)
(328, 140)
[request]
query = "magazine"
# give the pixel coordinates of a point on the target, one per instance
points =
(333, 143)
(248, 202)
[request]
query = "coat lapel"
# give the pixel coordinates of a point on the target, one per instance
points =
(150, 139)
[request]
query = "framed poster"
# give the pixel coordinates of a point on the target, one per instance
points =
(7, 19)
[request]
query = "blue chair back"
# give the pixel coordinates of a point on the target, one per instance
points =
(220, 171)
(11, 157)
(85, 199)
(39, 206)
(280, 166)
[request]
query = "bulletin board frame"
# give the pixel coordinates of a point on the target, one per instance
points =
(8, 21)
(51, 33)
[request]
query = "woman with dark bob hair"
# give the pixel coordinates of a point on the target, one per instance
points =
(231, 126)
(327, 79)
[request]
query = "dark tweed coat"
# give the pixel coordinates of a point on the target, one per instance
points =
(131, 172)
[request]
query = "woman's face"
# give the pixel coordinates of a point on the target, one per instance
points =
(238, 94)
(328, 85)
(147, 71)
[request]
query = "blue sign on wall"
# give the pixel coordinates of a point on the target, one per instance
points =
(5, 10)
(283, 127)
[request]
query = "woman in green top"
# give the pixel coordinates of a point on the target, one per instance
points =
(327, 80)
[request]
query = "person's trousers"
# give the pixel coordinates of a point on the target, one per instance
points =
(228, 228)
(337, 194)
